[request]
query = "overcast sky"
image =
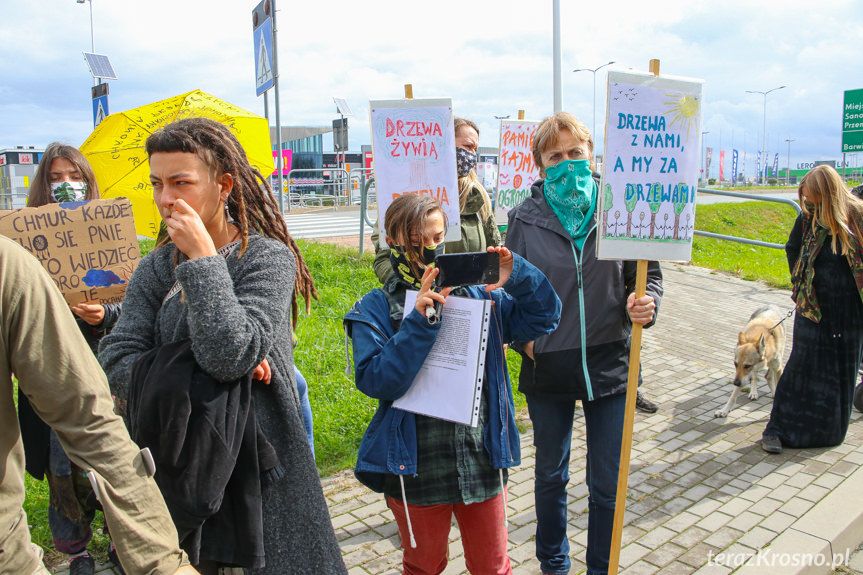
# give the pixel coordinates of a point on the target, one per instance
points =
(492, 57)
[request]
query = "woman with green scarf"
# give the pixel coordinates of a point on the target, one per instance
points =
(587, 357)
(812, 406)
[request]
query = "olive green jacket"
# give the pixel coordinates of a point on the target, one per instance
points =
(476, 235)
(42, 345)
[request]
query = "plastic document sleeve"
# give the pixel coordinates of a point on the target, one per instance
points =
(449, 384)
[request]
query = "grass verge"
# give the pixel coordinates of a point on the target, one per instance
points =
(764, 221)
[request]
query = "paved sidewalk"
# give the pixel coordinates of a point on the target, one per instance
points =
(703, 496)
(699, 486)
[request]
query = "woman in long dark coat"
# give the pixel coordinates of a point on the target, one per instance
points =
(812, 407)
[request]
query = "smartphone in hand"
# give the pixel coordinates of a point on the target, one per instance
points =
(472, 268)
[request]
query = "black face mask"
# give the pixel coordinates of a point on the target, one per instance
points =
(401, 265)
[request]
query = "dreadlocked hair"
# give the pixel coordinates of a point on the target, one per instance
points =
(250, 204)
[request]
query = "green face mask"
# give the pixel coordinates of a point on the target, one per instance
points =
(571, 192)
(570, 182)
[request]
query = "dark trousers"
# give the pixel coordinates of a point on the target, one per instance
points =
(552, 436)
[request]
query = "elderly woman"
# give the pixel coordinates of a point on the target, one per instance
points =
(587, 357)
(812, 407)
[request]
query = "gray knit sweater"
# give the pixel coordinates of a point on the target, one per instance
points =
(237, 311)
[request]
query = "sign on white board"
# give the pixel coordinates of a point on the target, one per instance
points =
(650, 173)
(516, 169)
(413, 142)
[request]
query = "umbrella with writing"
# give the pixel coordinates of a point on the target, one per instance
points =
(116, 151)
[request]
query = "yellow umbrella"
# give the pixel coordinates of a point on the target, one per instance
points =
(116, 151)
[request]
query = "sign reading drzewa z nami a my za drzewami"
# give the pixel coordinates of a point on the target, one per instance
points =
(414, 149)
(89, 249)
(650, 173)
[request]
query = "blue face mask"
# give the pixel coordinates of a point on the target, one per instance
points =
(465, 162)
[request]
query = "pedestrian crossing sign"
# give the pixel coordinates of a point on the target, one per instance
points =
(100, 103)
(263, 40)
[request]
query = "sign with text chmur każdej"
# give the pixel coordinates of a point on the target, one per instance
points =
(414, 149)
(516, 168)
(650, 169)
(89, 249)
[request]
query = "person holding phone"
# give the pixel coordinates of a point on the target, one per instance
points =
(430, 469)
(587, 357)
(478, 228)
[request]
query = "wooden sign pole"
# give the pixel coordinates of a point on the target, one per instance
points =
(629, 417)
(409, 91)
(521, 114)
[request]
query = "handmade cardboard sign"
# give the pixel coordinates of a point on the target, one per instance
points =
(414, 149)
(516, 171)
(650, 168)
(90, 249)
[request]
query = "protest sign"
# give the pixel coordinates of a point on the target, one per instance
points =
(89, 249)
(517, 170)
(650, 173)
(413, 142)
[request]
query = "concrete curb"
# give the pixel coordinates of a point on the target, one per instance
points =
(822, 539)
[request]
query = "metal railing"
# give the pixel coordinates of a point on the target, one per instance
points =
(317, 186)
(366, 184)
(791, 203)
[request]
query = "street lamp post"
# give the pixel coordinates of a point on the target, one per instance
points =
(92, 34)
(788, 173)
(703, 175)
(594, 71)
(764, 127)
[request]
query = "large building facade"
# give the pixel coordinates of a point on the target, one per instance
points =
(17, 167)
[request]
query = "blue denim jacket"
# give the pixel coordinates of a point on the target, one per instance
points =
(387, 362)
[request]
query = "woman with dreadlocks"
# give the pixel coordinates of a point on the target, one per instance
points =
(221, 283)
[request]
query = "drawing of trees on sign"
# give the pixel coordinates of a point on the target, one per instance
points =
(606, 201)
(630, 201)
(654, 205)
(679, 206)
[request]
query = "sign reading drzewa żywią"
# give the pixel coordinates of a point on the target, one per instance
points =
(414, 149)
(89, 249)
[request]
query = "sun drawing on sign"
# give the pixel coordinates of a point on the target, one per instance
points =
(683, 109)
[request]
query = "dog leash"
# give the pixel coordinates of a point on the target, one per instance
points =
(789, 314)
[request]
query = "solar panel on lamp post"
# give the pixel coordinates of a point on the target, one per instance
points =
(92, 34)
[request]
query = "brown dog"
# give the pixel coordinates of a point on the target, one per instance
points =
(760, 344)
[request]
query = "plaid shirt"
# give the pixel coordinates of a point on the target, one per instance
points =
(453, 464)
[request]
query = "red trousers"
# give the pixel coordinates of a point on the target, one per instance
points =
(483, 536)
